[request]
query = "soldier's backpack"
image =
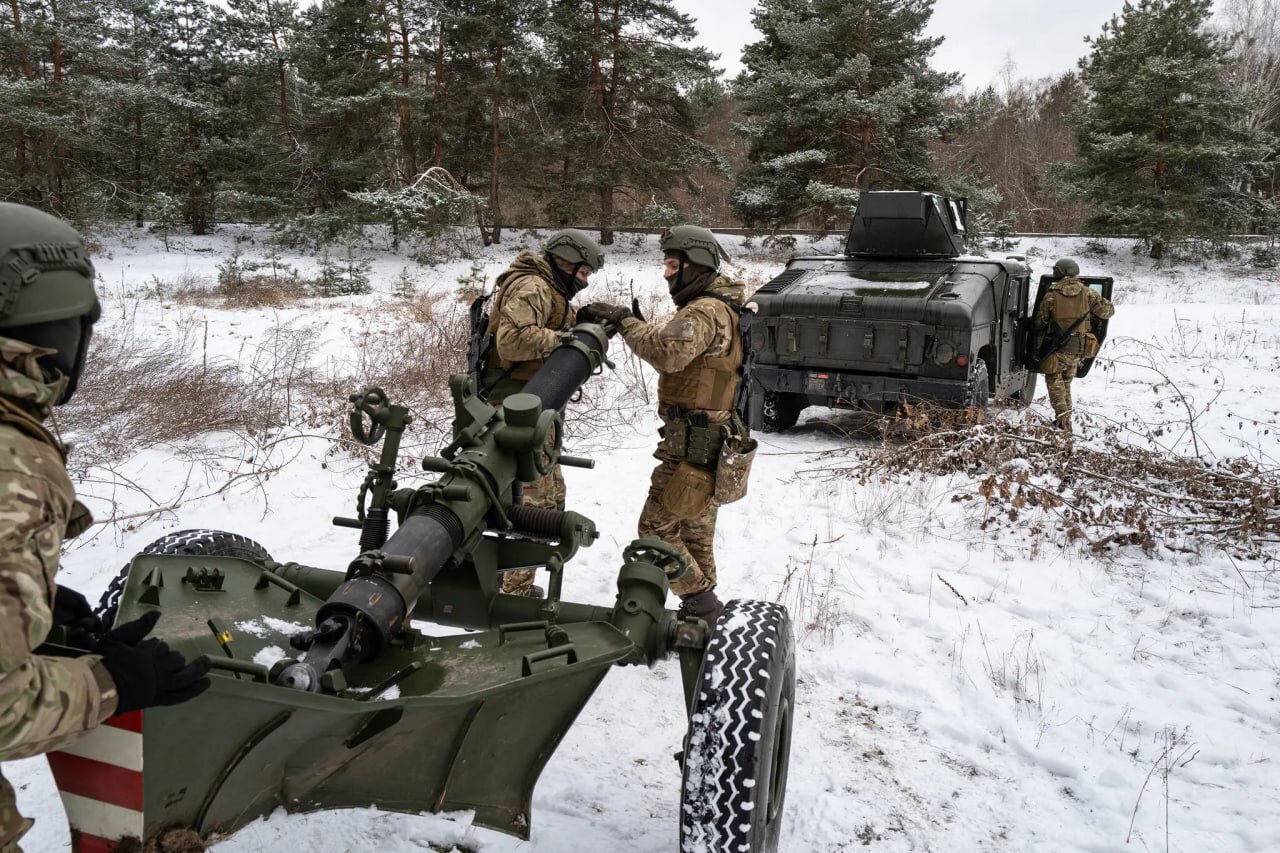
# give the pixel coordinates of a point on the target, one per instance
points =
(746, 314)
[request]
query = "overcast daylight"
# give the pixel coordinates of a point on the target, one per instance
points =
(952, 332)
(1040, 37)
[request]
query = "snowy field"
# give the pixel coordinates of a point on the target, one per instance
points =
(957, 689)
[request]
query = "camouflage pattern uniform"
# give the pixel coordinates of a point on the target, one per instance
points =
(45, 702)
(528, 317)
(697, 354)
(1066, 301)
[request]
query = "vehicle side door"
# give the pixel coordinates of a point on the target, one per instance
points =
(1100, 284)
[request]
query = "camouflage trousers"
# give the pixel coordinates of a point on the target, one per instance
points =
(12, 824)
(1059, 369)
(693, 538)
(546, 492)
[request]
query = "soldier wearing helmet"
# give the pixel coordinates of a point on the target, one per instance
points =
(698, 354)
(530, 312)
(47, 310)
(1063, 334)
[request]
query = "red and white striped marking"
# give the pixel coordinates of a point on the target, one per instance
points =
(100, 780)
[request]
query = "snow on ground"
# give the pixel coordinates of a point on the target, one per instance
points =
(954, 691)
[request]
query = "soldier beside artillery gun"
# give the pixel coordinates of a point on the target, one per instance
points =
(368, 709)
(329, 726)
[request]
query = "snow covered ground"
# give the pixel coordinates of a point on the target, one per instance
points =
(957, 689)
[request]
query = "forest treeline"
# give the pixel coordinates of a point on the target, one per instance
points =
(608, 113)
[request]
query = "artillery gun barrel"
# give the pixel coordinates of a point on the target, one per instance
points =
(491, 452)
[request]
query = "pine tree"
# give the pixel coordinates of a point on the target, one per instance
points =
(1162, 149)
(840, 98)
(626, 123)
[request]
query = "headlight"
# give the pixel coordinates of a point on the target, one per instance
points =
(944, 352)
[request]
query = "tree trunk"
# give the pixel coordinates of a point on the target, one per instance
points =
(437, 148)
(24, 60)
(606, 216)
(57, 149)
(496, 211)
(404, 113)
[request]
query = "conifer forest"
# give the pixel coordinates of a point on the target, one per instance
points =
(318, 117)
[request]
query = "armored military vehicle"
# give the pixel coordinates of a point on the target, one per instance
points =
(904, 315)
(332, 690)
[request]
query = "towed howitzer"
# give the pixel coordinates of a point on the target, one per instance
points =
(491, 452)
(374, 710)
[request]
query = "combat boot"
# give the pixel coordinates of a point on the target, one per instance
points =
(1064, 423)
(702, 605)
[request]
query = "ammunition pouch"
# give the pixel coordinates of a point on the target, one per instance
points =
(692, 437)
(733, 468)
(1091, 346)
(689, 492)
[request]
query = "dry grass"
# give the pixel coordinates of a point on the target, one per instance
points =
(1022, 475)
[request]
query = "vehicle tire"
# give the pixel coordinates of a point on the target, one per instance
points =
(739, 742)
(207, 543)
(979, 386)
(779, 411)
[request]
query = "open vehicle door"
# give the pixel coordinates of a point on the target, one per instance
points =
(1100, 284)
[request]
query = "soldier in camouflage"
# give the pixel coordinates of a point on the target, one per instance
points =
(530, 312)
(1066, 302)
(697, 354)
(47, 311)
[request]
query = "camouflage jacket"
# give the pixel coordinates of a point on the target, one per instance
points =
(1066, 301)
(529, 315)
(45, 702)
(702, 328)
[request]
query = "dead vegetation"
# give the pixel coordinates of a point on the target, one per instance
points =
(1103, 493)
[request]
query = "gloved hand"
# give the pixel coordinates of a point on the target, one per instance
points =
(71, 610)
(610, 313)
(149, 673)
(88, 636)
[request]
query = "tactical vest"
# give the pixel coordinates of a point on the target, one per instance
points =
(520, 371)
(1065, 311)
(707, 383)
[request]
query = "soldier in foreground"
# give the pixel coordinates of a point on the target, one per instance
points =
(1063, 335)
(530, 312)
(47, 311)
(699, 355)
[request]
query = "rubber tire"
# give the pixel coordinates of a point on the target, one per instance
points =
(739, 741)
(980, 384)
(779, 411)
(199, 542)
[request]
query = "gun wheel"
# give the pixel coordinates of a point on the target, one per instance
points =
(207, 543)
(739, 741)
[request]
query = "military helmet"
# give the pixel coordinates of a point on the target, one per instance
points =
(697, 244)
(1065, 267)
(46, 288)
(576, 247)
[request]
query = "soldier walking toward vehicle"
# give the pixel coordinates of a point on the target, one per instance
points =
(698, 354)
(47, 311)
(530, 312)
(1064, 336)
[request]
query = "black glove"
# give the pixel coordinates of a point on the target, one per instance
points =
(71, 610)
(150, 673)
(610, 313)
(83, 635)
(635, 309)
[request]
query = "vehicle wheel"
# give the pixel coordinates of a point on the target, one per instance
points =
(979, 386)
(739, 742)
(779, 411)
(207, 543)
